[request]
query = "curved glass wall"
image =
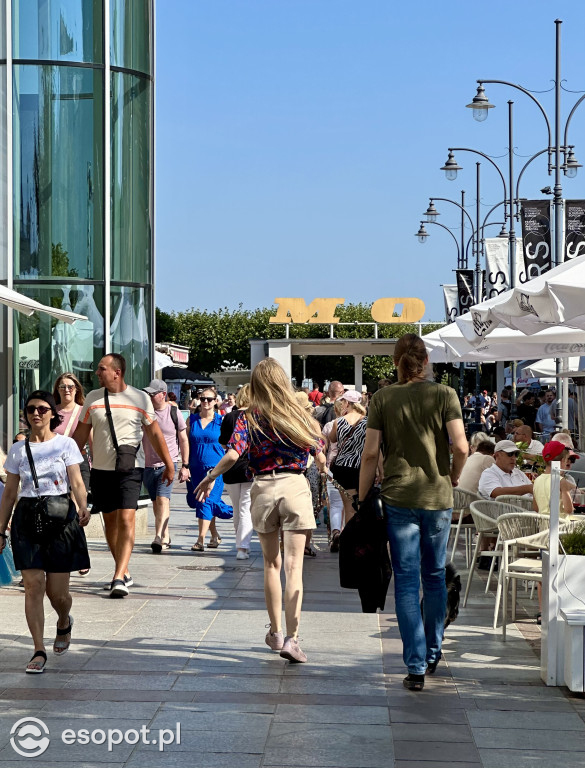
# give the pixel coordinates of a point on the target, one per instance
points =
(130, 35)
(131, 205)
(48, 347)
(58, 167)
(60, 152)
(58, 30)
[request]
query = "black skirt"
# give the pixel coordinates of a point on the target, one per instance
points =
(62, 551)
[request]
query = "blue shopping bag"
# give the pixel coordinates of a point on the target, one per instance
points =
(7, 570)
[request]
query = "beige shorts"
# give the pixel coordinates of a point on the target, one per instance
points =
(281, 500)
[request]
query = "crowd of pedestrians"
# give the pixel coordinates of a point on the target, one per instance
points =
(287, 460)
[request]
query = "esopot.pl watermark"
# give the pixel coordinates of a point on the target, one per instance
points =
(30, 737)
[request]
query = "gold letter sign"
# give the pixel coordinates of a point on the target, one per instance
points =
(385, 311)
(323, 311)
(299, 312)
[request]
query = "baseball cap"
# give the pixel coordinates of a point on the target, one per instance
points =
(508, 446)
(564, 438)
(553, 450)
(155, 386)
(485, 392)
(352, 396)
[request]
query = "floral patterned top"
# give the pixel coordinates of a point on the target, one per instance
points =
(268, 451)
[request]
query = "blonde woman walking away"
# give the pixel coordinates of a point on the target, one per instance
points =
(279, 436)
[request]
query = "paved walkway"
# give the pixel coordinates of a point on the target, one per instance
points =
(187, 647)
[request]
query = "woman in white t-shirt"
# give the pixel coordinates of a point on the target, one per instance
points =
(46, 551)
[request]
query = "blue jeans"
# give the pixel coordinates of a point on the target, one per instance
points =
(418, 546)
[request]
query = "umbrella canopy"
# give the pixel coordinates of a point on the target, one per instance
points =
(551, 299)
(183, 375)
(448, 345)
(547, 368)
(30, 306)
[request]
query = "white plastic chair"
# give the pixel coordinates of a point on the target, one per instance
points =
(530, 530)
(461, 502)
(485, 514)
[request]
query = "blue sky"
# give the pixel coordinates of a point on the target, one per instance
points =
(298, 141)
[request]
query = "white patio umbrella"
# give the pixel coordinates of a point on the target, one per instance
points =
(449, 345)
(29, 306)
(546, 368)
(556, 297)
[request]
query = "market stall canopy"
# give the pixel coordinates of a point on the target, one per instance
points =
(448, 345)
(183, 375)
(551, 299)
(30, 306)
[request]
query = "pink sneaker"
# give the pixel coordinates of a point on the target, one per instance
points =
(291, 650)
(274, 640)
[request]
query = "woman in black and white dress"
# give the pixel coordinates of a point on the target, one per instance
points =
(349, 432)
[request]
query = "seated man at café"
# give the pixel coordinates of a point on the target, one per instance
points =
(504, 478)
(523, 434)
(480, 458)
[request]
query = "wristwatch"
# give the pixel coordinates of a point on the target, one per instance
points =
(184, 466)
(208, 473)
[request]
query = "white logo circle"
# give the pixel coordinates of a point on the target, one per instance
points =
(29, 737)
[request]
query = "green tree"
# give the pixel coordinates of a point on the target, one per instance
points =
(60, 262)
(224, 334)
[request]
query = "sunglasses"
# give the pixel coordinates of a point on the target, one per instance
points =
(207, 399)
(66, 386)
(513, 453)
(42, 409)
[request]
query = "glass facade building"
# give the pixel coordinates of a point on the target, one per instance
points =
(76, 190)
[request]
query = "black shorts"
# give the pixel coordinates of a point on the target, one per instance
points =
(347, 477)
(111, 490)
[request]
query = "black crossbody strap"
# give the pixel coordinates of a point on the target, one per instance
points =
(32, 464)
(110, 420)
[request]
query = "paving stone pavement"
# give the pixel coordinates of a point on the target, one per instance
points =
(187, 646)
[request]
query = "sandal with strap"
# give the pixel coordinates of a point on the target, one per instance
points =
(62, 646)
(39, 665)
(310, 552)
(214, 542)
(197, 547)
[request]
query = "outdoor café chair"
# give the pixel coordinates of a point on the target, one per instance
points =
(461, 502)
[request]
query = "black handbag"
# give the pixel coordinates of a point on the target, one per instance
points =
(125, 454)
(50, 512)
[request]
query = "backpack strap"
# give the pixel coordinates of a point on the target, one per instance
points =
(175, 420)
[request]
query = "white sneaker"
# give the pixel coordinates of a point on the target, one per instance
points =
(242, 555)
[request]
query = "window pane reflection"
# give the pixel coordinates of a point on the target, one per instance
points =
(62, 30)
(130, 37)
(130, 331)
(131, 178)
(58, 153)
(47, 347)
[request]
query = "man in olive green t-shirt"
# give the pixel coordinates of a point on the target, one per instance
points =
(413, 421)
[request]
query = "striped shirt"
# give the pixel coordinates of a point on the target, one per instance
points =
(350, 439)
(131, 409)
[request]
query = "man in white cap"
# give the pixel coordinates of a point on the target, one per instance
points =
(504, 477)
(174, 430)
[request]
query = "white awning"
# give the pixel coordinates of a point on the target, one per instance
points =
(29, 306)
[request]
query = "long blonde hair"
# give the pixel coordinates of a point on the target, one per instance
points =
(272, 397)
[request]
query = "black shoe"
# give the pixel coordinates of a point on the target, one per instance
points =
(539, 618)
(119, 589)
(432, 665)
(414, 682)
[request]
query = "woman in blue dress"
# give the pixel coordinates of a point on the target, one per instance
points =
(205, 452)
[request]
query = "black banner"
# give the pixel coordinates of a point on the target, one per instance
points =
(536, 241)
(574, 229)
(465, 298)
